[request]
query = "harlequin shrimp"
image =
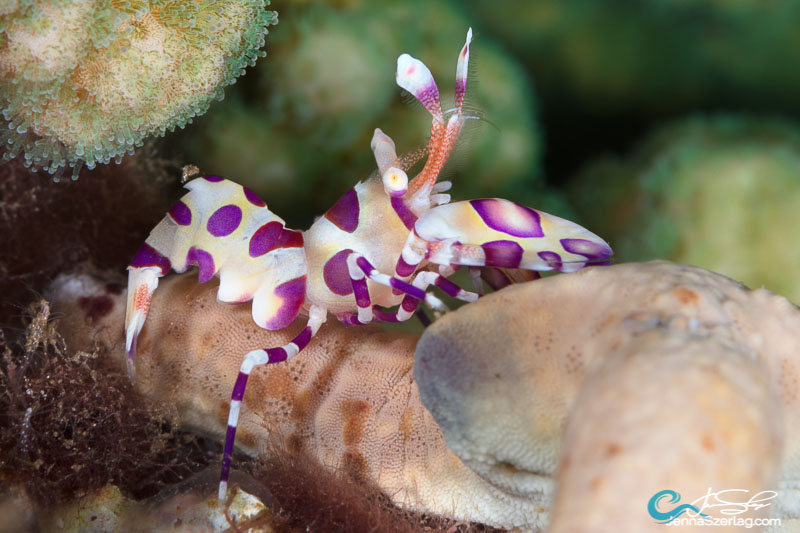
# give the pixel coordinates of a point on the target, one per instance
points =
(380, 246)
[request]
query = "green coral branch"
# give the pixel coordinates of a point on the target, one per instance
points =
(87, 82)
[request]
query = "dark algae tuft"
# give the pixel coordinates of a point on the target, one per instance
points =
(70, 424)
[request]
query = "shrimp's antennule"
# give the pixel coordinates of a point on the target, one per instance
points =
(416, 78)
(461, 73)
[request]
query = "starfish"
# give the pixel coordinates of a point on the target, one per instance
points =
(572, 403)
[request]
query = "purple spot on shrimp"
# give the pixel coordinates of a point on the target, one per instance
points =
(276, 355)
(361, 292)
(224, 221)
(398, 194)
(213, 179)
(181, 213)
(293, 294)
(502, 254)
(336, 274)
(303, 338)
(148, 256)
(204, 262)
(253, 198)
(552, 259)
(508, 217)
(406, 215)
(344, 213)
(588, 249)
(273, 235)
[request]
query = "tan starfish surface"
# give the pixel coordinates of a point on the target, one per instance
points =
(572, 400)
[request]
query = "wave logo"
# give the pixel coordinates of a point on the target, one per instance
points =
(665, 517)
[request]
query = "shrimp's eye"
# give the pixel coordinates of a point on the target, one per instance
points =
(395, 182)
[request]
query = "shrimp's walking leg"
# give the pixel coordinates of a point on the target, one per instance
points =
(255, 358)
(399, 285)
(360, 269)
(142, 282)
(422, 281)
(360, 292)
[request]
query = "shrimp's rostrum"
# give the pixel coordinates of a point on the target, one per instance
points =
(380, 246)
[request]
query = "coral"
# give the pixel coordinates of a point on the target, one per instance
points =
(619, 382)
(676, 198)
(86, 82)
(87, 427)
(348, 401)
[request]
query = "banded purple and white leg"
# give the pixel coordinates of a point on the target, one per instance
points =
(360, 290)
(411, 257)
(422, 281)
(399, 285)
(366, 312)
(316, 317)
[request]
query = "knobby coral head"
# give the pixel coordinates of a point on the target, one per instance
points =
(87, 82)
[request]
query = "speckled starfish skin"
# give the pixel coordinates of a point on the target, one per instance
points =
(350, 401)
(620, 382)
(606, 385)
